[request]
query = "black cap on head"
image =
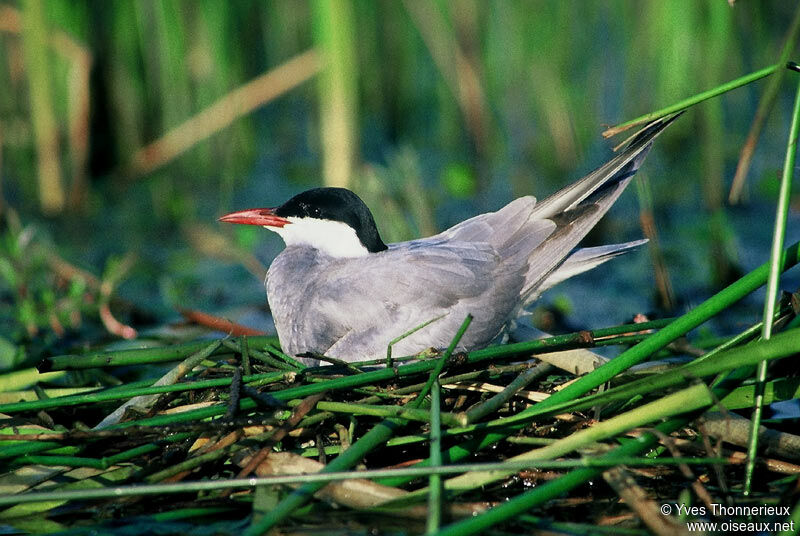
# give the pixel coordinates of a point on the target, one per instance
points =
(336, 204)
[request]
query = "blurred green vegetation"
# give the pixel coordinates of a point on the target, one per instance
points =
(126, 127)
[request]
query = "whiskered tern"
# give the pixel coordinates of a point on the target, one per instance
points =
(338, 290)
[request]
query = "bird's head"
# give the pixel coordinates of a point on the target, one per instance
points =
(333, 220)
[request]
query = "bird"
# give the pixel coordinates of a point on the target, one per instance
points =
(337, 290)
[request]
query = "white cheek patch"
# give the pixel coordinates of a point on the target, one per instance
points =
(333, 238)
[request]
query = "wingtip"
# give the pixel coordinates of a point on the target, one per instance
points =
(649, 133)
(623, 166)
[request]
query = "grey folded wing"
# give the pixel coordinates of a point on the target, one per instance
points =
(416, 283)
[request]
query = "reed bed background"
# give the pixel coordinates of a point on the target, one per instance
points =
(127, 127)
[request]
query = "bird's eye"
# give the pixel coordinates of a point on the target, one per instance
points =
(314, 212)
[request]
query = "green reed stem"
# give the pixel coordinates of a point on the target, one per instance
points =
(138, 356)
(779, 234)
(691, 101)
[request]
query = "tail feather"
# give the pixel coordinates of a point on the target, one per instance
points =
(584, 259)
